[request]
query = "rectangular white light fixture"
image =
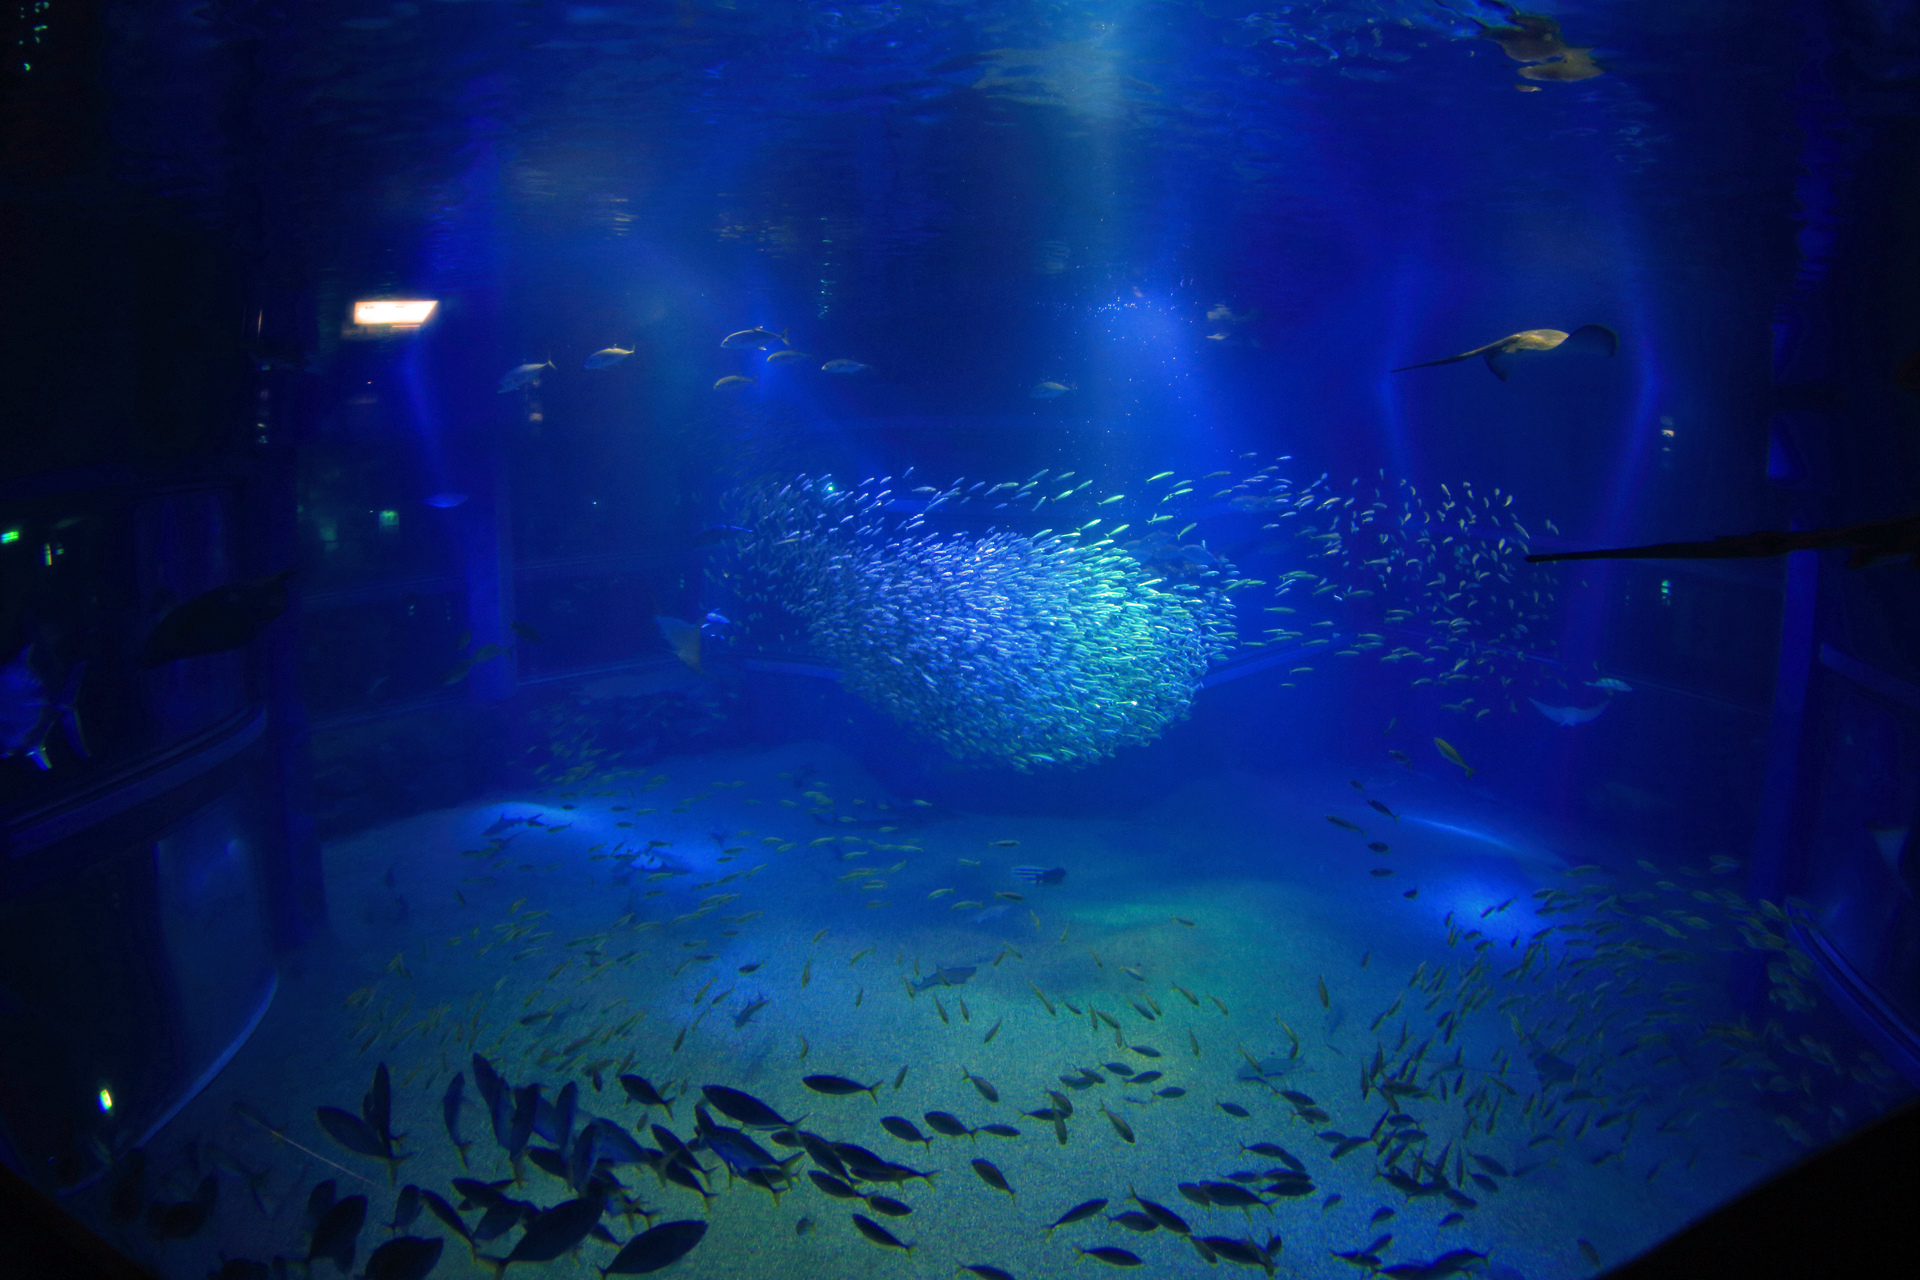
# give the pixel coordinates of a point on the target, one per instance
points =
(393, 311)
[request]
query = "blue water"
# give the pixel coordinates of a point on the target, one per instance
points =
(623, 668)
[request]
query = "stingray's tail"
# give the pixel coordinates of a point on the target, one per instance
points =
(1428, 364)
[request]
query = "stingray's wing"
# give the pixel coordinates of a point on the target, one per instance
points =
(1593, 337)
(1500, 362)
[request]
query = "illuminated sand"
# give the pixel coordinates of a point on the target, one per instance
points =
(1279, 899)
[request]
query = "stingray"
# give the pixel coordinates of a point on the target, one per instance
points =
(1568, 716)
(1536, 38)
(1499, 355)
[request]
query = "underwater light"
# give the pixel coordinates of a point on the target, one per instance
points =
(10, 535)
(393, 312)
(106, 1100)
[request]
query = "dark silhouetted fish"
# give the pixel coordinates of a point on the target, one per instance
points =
(889, 1206)
(450, 1113)
(445, 1212)
(1161, 1214)
(216, 621)
(351, 1132)
(744, 1108)
(823, 1153)
(645, 1094)
(991, 1175)
(1552, 1069)
(526, 1110)
(986, 1090)
(944, 1122)
(406, 1207)
(879, 1234)
(831, 1185)
(657, 1248)
(740, 1153)
(555, 1231)
(338, 1233)
(903, 1129)
(548, 1161)
(1244, 1252)
(1111, 1256)
(946, 978)
(840, 1086)
(1079, 1213)
(404, 1258)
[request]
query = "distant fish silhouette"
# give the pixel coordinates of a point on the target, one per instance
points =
(718, 533)
(1568, 716)
(523, 375)
(1875, 540)
(685, 639)
(217, 620)
(1498, 355)
(444, 501)
(946, 978)
(29, 710)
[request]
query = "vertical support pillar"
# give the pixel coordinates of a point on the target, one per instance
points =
(293, 882)
(1779, 847)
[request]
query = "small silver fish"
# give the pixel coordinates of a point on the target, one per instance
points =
(606, 357)
(754, 337)
(523, 375)
(844, 366)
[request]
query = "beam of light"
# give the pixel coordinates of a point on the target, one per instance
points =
(393, 311)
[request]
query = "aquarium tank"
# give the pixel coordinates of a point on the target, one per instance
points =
(784, 638)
